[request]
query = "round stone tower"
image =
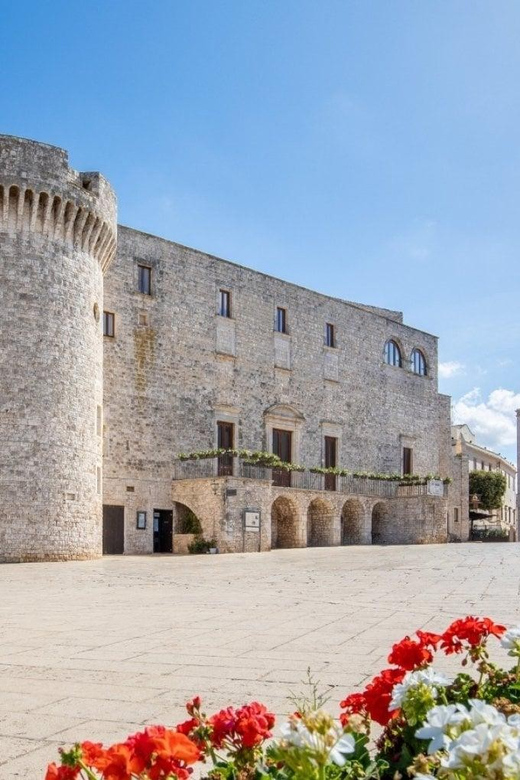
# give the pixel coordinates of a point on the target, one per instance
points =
(57, 238)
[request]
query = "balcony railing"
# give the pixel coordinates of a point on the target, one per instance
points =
(227, 466)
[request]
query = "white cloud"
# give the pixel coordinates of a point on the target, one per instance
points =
(451, 368)
(493, 421)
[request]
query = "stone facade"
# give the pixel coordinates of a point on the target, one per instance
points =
(173, 369)
(57, 238)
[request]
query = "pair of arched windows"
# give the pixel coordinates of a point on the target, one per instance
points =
(394, 358)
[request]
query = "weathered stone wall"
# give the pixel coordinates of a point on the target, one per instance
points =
(168, 381)
(458, 529)
(305, 518)
(57, 236)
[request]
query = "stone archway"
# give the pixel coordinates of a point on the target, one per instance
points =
(284, 524)
(320, 524)
(380, 523)
(185, 521)
(353, 522)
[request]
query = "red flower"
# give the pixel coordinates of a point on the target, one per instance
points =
(378, 694)
(61, 772)
(193, 705)
(409, 654)
(187, 726)
(92, 752)
(354, 704)
(470, 630)
(253, 724)
(428, 639)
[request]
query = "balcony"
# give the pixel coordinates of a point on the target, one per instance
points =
(228, 466)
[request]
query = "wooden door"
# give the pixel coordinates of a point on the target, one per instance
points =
(282, 446)
(225, 442)
(113, 530)
(331, 448)
(163, 530)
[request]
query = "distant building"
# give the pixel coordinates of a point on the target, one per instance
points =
(481, 459)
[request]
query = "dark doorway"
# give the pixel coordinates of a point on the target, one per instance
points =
(331, 448)
(113, 530)
(225, 442)
(282, 446)
(162, 530)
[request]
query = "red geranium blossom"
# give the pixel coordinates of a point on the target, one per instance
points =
(378, 694)
(410, 654)
(354, 704)
(55, 772)
(469, 631)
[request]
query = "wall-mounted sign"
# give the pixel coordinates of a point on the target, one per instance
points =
(435, 487)
(252, 520)
(141, 520)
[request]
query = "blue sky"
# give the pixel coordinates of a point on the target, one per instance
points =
(365, 148)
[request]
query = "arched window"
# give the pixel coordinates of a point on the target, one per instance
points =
(418, 363)
(393, 354)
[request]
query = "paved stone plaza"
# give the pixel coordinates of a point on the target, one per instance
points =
(97, 649)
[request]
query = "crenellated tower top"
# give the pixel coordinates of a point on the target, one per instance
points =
(40, 193)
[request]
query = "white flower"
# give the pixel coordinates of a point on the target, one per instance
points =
(437, 722)
(511, 641)
(480, 712)
(428, 677)
(345, 744)
(296, 733)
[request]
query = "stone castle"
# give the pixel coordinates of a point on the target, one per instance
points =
(119, 350)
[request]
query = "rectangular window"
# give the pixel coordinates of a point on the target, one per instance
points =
(108, 324)
(456, 514)
(225, 441)
(331, 454)
(224, 306)
(99, 421)
(330, 336)
(144, 279)
(407, 460)
(281, 320)
(282, 446)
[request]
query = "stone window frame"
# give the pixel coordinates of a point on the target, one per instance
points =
(284, 417)
(397, 342)
(334, 430)
(287, 330)
(422, 357)
(334, 336)
(406, 441)
(109, 316)
(226, 413)
(232, 301)
(147, 265)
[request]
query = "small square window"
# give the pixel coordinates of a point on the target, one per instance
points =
(108, 324)
(144, 279)
(330, 335)
(224, 303)
(281, 319)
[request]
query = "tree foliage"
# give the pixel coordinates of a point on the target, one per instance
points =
(490, 487)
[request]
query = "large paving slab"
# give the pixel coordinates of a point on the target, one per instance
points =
(94, 650)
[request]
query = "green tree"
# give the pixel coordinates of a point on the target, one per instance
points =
(490, 487)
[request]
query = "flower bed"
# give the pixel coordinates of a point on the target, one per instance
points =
(459, 727)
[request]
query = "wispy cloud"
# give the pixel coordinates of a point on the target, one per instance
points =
(451, 368)
(492, 420)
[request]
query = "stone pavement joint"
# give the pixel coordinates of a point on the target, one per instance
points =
(96, 649)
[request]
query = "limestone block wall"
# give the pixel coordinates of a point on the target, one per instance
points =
(57, 237)
(459, 526)
(172, 370)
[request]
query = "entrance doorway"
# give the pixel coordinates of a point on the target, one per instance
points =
(113, 530)
(282, 446)
(162, 530)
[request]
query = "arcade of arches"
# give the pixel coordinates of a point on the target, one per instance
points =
(322, 525)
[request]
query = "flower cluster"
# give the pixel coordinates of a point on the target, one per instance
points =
(474, 741)
(461, 727)
(156, 753)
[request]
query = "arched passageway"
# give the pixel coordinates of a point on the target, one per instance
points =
(380, 524)
(284, 523)
(353, 522)
(185, 521)
(320, 524)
